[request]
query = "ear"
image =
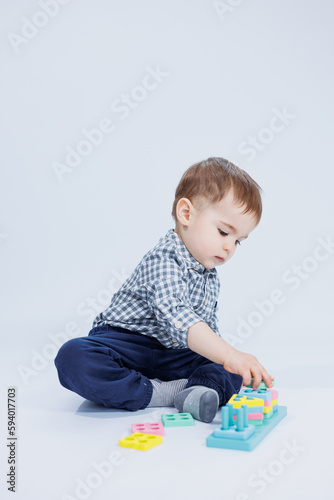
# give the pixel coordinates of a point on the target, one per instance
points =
(184, 210)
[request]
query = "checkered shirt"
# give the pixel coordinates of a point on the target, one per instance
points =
(168, 292)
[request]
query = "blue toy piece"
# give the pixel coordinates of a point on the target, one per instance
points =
(258, 393)
(241, 430)
(231, 440)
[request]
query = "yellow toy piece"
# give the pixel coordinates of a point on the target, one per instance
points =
(238, 401)
(140, 441)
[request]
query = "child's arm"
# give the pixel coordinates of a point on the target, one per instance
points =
(203, 340)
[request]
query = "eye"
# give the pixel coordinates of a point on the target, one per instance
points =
(222, 233)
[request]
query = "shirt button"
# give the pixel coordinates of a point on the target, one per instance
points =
(174, 340)
(178, 324)
(206, 301)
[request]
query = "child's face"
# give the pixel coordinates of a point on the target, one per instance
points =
(212, 234)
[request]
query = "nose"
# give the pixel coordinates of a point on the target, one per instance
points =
(229, 244)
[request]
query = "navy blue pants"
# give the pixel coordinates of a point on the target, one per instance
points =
(112, 367)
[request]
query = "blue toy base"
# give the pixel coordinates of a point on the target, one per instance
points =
(249, 444)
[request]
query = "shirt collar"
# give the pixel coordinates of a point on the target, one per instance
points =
(191, 262)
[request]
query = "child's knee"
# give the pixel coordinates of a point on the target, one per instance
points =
(68, 354)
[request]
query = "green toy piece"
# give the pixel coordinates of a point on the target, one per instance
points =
(262, 384)
(177, 419)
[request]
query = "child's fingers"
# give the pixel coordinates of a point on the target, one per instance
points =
(267, 378)
(259, 374)
(246, 377)
(257, 377)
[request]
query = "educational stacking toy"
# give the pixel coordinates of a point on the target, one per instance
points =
(246, 419)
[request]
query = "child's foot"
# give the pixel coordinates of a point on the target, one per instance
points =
(198, 400)
(165, 392)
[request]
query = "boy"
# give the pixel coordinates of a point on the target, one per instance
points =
(157, 344)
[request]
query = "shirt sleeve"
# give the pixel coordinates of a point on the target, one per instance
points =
(214, 321)
(169, 302)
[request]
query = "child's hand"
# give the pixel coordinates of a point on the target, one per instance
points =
(247, 366)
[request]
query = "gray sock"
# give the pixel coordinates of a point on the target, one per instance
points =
(198, 400)
(165, 392)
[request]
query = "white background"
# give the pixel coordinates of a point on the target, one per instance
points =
(68, 241)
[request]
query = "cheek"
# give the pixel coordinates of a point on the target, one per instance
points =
(211, 243)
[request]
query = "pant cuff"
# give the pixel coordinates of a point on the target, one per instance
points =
(148, 395)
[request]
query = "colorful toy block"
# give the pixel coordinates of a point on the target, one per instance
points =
(147, 428)
(268, 409)
(253, 418)
(258, 393)
(233, 442)
(269, 397)
(256, 422)
(266, 395)
(262, 384)
(140, 441)
(255, 405)
(177, 419)
(274, 393)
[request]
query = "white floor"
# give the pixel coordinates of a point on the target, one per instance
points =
(66, 445)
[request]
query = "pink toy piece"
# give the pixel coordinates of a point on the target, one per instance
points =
(268, 403)
(274, 393)
(147, 428)
(252, 416)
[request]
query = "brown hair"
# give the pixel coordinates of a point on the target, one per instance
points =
(210, 180)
